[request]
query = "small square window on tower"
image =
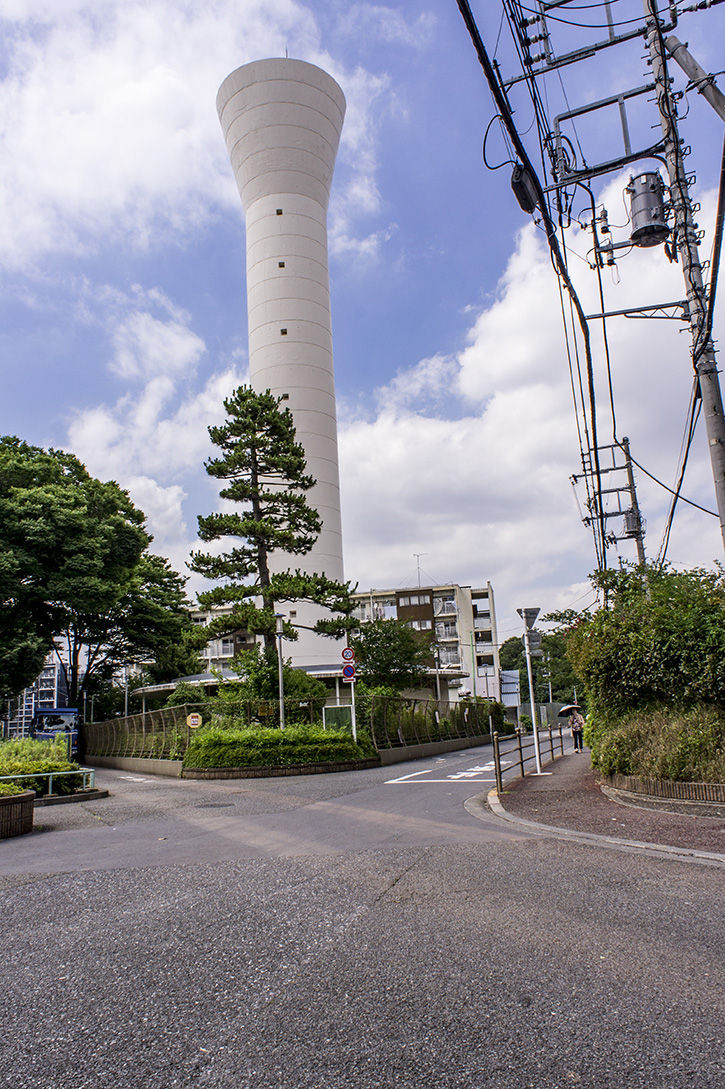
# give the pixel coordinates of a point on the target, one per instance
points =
(283, 332)
(280, 264)
(279, 211)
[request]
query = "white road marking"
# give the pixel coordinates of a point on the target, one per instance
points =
(469, 775)
(133, 779)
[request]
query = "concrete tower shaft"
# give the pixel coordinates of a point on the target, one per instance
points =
(282, 121)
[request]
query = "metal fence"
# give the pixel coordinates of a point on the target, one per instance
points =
(393, 722)
(523, 747)
(398, 722)
(165, 734)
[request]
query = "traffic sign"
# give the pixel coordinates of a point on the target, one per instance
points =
(348, 672)
(193, 721)
(348, 654)
(528, 616)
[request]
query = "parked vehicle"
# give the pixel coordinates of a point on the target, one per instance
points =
(49, 722)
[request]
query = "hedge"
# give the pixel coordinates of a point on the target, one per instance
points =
(230, 747)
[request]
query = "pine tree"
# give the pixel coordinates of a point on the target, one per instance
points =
(266, 472)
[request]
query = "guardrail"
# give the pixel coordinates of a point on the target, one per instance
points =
(525, 751)
(88, 774)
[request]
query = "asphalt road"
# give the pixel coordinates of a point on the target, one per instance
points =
(358, 930)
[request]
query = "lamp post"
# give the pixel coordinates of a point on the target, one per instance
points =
(529, 616)
(279, 617)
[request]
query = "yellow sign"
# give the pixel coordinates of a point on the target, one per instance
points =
(193, 720)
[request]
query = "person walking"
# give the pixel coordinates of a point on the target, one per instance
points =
(576, 722)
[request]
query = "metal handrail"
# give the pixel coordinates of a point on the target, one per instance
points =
(89, 777)
(520, 748)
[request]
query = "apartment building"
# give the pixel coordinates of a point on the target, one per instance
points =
(48, 690)
(459, 622)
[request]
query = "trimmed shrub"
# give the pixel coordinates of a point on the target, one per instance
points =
(27, 756)
(8, 789)
(227, 746)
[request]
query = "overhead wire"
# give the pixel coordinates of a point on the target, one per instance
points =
(502, 105)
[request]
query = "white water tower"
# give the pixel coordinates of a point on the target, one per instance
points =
(282, 121)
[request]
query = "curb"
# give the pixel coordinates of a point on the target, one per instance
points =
(491, 804)
(67, 799)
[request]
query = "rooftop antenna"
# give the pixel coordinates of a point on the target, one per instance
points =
(417, 557)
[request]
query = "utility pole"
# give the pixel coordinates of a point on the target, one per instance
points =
(635, 516)
(686, 238)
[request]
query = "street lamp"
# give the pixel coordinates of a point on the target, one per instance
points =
(279, 617)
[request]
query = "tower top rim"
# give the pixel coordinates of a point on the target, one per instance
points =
(276, 68)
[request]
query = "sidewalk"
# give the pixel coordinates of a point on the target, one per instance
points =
(570, 798)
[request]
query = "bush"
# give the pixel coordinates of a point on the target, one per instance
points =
(661, 744)
(26, 756)
(7, 790)
(229, 746)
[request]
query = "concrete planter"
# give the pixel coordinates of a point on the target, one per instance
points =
(16, 814)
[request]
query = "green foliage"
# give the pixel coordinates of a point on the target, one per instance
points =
(390, 654)
(687, 746)
(229, 747)
(659, 641)
(9, 790)
(652, 662)
(265, 469)
(185, 693)
(74, 568)
(258, 672)
(27, 756)
(554, 664)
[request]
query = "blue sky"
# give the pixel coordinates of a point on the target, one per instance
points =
(123, 302)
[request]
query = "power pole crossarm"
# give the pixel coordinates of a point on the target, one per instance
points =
(701, 81)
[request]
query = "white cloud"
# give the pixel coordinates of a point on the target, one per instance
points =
(487, 495)
(145, 346)
(109, 128)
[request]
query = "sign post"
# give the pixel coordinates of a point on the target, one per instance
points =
(348, 675)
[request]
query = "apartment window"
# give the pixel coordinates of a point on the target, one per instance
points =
(424, 599)
(404, 601)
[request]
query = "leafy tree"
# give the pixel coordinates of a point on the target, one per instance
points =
(388, 653)
(147, 625)
(258, 673)
(74, 566)
(553, 664)
(265, 469)
(64, 537)
(659, 641)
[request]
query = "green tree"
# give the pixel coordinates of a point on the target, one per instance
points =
(553, 665)
(258, 673)
(64, 537)
(148, 625)
(389, 653)
(660, 640)
(74, 567)
(658, 645)
(266, 473)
